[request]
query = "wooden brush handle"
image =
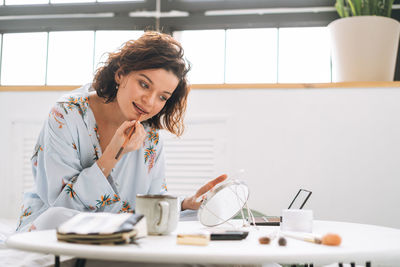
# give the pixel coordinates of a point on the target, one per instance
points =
(131, 131)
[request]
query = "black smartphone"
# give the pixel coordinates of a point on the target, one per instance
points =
(229, 235)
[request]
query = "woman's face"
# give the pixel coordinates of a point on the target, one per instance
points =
(144, 92)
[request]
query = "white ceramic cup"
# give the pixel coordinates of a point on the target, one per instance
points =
(161, 212)
(297, 220)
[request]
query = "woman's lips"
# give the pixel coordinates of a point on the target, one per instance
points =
(139, 109)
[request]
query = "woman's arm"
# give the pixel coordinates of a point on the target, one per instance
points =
(68, 170)
(67, 173)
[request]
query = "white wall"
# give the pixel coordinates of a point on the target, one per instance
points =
(24, 107)
(343, 144)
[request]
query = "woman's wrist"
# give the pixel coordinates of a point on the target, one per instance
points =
(183, 204)
(106, 162)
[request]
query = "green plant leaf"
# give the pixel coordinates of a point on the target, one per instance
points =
(380, 7)
(388, 8)
(347, 11)
(365, 8)
(340, 8)
(347, 8)
(352, 8)
(372, 7)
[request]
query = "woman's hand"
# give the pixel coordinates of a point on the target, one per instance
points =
(122, 134)
(108, 160)
(137, 138)
(192, 203)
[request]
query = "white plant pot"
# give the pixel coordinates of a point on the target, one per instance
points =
(364, 48)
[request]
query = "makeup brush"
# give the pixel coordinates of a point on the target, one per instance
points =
(128, 137)
(328, 239)
(307, 238)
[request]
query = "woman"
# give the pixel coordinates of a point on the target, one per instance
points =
(76, 164)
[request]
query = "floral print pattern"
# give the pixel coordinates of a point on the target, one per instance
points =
(116, 198)
(153, 136)
(25, 213)
(37, 149)
(56, 114)
(96, 130)
(164, 187)
(96, 153)
(149, 156)
(150, 152)
(104, 200)
(81, 102)
(70, 191)
(35, 154)
(125, 207)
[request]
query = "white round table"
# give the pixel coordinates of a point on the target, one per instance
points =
(360, 244)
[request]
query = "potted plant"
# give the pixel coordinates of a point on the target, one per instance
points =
(364, 41)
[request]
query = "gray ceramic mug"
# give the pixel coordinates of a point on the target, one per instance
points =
(161, 212)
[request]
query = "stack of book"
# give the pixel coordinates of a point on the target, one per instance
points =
(103, 228)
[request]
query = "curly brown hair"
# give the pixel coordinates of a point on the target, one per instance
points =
(153, 50)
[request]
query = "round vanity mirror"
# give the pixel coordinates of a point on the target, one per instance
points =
(223, 203)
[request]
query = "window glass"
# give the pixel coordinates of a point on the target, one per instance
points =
(24, 59)
(251, 56)
(70, 58)
(110, 41)
(25, 2)
(120, 0)
(304, 55)
(70, 1)
(205, 51)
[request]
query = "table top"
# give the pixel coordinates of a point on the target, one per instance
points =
(360, 243)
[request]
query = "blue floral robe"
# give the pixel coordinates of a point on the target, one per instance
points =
(66, 173)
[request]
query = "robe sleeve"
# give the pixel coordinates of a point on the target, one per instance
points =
(67, 174)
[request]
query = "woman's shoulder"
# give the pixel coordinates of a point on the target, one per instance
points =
(76, 100)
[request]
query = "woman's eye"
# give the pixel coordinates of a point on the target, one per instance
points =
(163, 98)
(144, 85)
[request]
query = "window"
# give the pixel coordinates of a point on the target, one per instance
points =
(119, 1)
(70, 58)
(70, 1)
(270, 55)
(24, 58)
(25, 2)
(251, 56)
(110, 41)
(304, 55)
(205, 50)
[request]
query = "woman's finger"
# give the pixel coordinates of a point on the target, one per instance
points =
(139, 132)
(137, 138)
(125, 127)
(208, 186)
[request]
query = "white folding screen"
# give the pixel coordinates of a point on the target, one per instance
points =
(24, 134)
(197, 156)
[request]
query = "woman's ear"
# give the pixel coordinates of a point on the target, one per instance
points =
(118, 77)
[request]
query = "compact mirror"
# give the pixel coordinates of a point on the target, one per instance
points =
(223, 203)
